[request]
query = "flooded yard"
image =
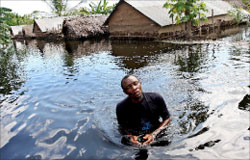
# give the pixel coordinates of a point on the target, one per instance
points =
(58, 99)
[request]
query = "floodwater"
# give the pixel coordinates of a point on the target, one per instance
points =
(58, 100)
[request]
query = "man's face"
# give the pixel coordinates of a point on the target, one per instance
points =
(132, 87)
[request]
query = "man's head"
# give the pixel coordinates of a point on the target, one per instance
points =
(132, 87)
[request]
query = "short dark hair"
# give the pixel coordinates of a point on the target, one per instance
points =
(125, 77)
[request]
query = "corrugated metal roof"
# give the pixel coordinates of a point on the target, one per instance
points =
(17, 30)
(28, 30)
(154, 9)
(219, 7)
(50, 24)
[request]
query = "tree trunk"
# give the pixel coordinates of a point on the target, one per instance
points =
(189, 29)
(189, 22)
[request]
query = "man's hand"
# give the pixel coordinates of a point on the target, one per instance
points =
(133, 139)
(149, 138)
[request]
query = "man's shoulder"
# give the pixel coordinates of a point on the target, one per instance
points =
(152, 94)
(123, 103)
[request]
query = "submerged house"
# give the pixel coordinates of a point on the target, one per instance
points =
(148, 19)
(46, 26)
(85, 27)
(28, 31)
(17, 31)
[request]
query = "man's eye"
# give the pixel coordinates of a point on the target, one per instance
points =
(128, 87)
(135, 83)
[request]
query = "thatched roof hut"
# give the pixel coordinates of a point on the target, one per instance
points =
(85, 27)
(28, 31)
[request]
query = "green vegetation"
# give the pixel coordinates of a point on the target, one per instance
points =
(247, 3)
(186, 11)
(7, 19)
(4, 27)
(13, 19)
(5, 37)
(60, 8)
(100, 8)
(10, 69)
(236, 14)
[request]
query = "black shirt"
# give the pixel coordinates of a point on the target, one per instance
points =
(143, 117)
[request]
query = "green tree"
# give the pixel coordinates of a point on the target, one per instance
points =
(7, 19)
(57, 6)
(60, 8)
(236, 14)
(186, 11)
(5, 37)
(247, 4)
(15, 19)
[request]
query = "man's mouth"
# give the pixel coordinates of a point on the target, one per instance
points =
(137, 94)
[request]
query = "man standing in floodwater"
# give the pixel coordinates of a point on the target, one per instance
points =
(141, 115)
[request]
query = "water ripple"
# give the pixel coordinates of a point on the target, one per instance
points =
(62, 105)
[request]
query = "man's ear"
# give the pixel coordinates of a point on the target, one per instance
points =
(124, 91)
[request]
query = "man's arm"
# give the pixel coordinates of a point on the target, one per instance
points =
(161, 127)
(150, 137)
(163, 112)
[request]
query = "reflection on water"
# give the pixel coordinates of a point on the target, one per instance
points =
(137, 54)
(12, 76)
(79, 49)
(58, 98)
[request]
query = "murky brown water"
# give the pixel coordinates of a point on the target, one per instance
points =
(58, 99)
